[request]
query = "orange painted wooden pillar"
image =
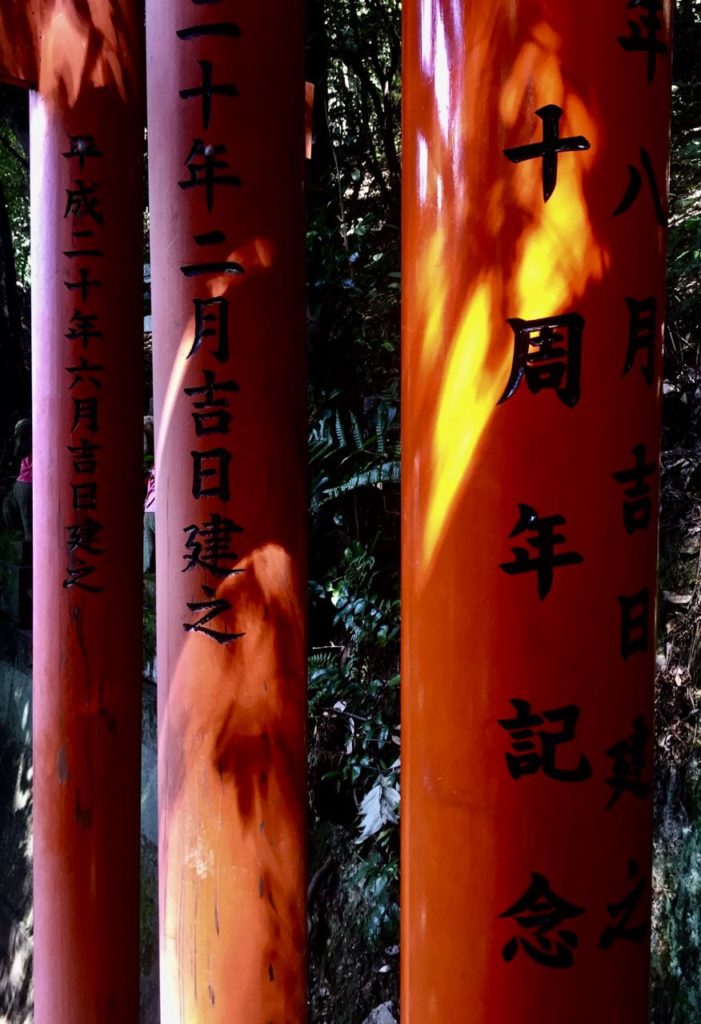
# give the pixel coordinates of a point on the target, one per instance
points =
(226, 151)
(86, 202)
(535, 152)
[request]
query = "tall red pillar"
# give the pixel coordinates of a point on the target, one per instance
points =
(226, 151)
(87, 330)
(535, 155)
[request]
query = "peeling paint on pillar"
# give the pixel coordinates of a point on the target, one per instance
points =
(535, 158)
(226, 150)
(87, 306)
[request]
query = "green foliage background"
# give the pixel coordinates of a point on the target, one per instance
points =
(353, 236)
(676, 940)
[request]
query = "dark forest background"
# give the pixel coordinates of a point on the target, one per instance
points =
(353, 190)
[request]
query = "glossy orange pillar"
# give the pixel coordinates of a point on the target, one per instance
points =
(86, 199)
(535, 155)
(226, 151)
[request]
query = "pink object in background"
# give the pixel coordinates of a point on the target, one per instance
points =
(25, 471)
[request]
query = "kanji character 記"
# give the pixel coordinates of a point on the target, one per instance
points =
(536, 747)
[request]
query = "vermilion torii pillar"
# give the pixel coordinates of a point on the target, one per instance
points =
(226, 152)
(85, 60)
(535, 150)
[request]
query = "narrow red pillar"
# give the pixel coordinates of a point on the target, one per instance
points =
(535, 153)
(226, 151)
(87, 294)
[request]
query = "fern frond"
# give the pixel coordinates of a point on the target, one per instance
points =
(386, 473)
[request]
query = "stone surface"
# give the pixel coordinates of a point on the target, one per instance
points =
(381, 1015)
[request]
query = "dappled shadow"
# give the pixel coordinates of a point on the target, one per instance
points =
(64, 48)
(235, 798)
(530, 253)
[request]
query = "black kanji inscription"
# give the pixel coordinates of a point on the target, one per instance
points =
(220, 267)
(548, 353)
(204, 173)
(212, 416)
(73, 254)
(83, 201)
(535, 746)
(635, 184)
(76, 575)
(623, 912)
(84, 536)
(85, 372)
(628, 767)
(85, 414)
(82, 328)
(84, 284)
(642, 331)
(649, 41)
(212, 321)
(84, 459)
(210, 238)
(209, 546)
(543, 542)
(635, 623)
(637, 501)
(226, 29)
(213, 607)
(549, 148)
(82, 147)
(207, 90)
(84, 496)
(540, 913)
(213, 464)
